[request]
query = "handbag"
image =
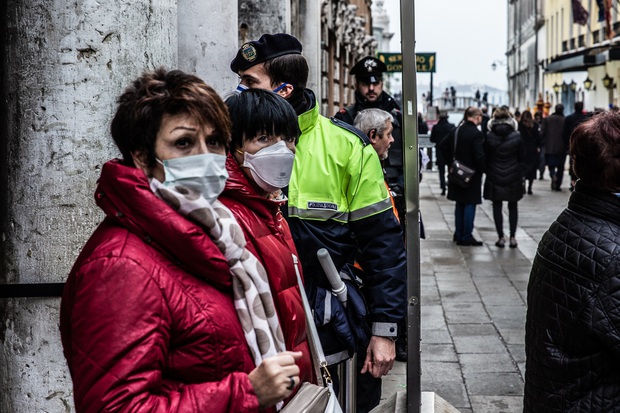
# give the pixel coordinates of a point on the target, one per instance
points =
(313, 398)
(458, 173)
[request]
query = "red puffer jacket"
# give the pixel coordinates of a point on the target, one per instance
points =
(270, 240)
(147, 316)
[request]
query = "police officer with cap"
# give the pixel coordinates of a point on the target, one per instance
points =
(369, 91)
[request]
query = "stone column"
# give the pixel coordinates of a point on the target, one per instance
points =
(208, 41)
(311, 41)
(63, 65)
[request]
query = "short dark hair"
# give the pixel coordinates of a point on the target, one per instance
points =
(255, 111)
(578, 107)
(154, 94)
(595, 149)
(289, 68)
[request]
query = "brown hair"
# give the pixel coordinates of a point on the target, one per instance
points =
(595, 149)
(526, 119)
(154, 94)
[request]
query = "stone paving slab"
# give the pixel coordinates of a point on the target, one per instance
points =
(473, 303)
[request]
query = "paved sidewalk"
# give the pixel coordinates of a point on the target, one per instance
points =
(473, 302)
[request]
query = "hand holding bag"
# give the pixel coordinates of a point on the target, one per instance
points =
(458, 173)
(312, 398)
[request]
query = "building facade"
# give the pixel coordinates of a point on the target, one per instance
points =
(577, 56)
(525, 19)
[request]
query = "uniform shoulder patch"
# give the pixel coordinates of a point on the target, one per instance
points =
(351, 129)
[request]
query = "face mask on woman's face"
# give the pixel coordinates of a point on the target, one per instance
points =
(205, 173)
(271, 167)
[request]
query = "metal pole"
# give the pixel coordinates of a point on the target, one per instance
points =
(431, 92)
(412, 195)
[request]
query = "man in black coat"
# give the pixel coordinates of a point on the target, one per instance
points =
(570, 123)
(469, 150)
(439, 132)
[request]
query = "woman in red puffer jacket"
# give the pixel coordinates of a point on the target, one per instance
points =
(148, 321)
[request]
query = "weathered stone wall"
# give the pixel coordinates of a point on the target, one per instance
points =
(208, 41)
(257, 17)
(64, 64)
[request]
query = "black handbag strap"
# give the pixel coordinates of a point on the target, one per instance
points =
(456, 135)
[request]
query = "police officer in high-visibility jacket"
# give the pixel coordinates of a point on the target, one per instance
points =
(338, 201)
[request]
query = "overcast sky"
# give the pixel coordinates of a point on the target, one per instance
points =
(467, 35)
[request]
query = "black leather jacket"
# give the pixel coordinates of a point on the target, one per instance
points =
(572, 340)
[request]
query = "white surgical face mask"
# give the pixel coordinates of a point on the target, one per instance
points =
(205, 173)
(271, 167)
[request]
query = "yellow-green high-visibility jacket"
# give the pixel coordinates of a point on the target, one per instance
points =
(338, 200)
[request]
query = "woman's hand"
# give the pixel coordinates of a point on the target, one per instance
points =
(275, 378)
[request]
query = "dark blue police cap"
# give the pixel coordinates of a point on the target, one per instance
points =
(263, 49)
(368, 69)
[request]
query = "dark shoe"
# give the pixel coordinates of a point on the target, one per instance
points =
(501, 243)
(470, 243)
(401, 350)
(529, 191)
(443, 192)
(513, 242)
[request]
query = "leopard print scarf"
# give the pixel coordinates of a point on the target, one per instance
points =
(252, 295)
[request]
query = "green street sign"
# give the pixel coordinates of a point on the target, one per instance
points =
(425, 62)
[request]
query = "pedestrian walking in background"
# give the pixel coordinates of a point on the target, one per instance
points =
(504, 153)
(439, 132)
(538, 118)
(530, 135)
(466, 144)
(422, 126)
(572, 339)
(477, 97)
(446, 97)
(570, 123)
(485, 120)
(453, 95)
(337, 201)
(158, 309)
(555, 150)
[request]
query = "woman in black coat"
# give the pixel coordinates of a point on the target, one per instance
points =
(530, 135)
(505, 155)
(572, 335)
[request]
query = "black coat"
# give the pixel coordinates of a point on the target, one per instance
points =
(504, 153)
(572, 331)
(439, 132)
(533, 141)
(570, 123)
(469, 151)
